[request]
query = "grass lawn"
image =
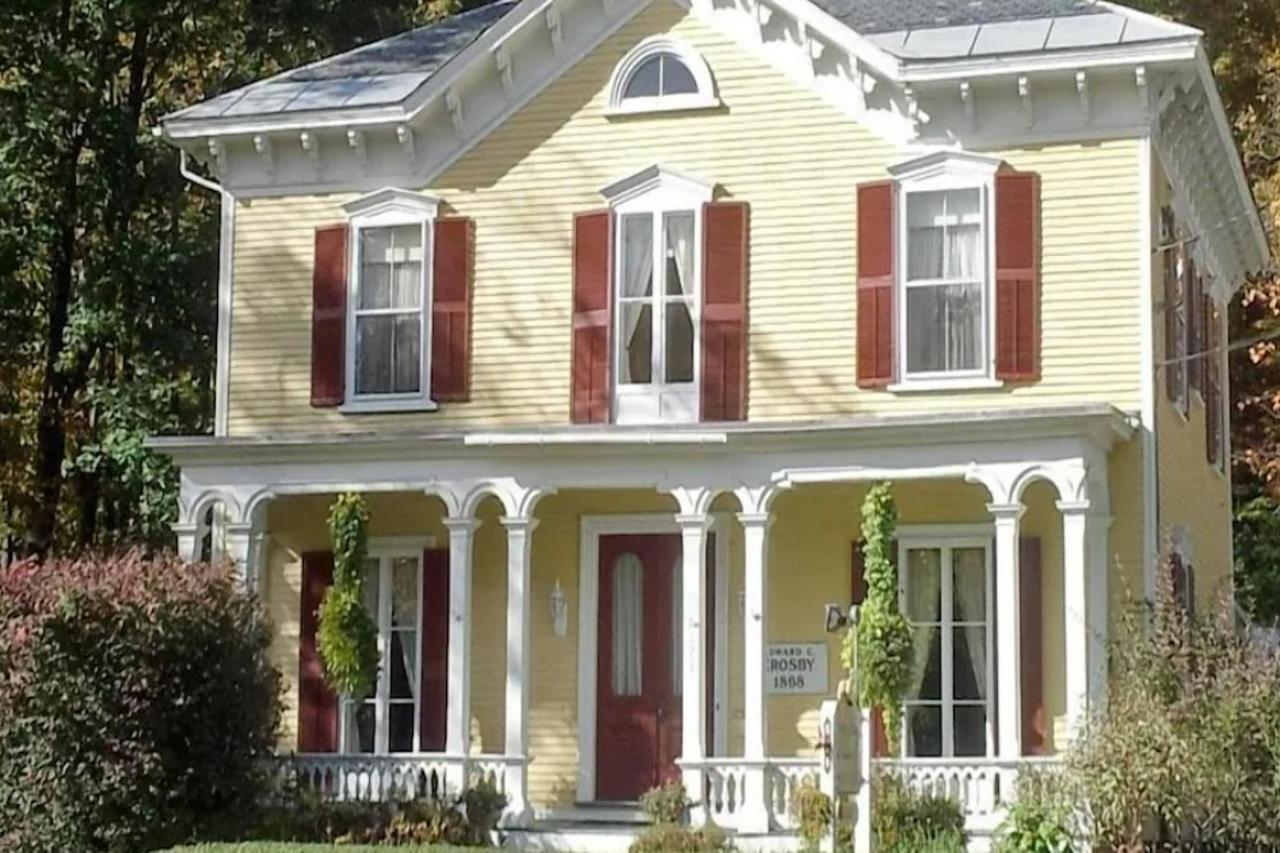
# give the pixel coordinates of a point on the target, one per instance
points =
(290, 847)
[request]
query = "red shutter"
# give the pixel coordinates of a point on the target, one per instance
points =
(329, 316)
(435, 649)
(1195, 324)
(1017, 276)
(857, 575)
(875, 284)
(1034, 723)
(592, 265)
(725, 229)
(1213, 414)
(451, 309)
(317, 704)
(1168, 233)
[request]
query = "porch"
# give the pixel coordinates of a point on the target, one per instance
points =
(763, 526)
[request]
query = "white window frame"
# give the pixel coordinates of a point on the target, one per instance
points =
(947, 539)
(386, 552)
(943, 172)
(655, 192)
(390, 208)
(704, 98)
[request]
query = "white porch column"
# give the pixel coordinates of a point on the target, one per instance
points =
(188, 534)
(519, 542)
(755, 534)
(1084, 559)
(1008, 635)
(693, 534)
(458, 728)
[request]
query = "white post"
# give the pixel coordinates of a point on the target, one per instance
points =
(519, 548)
(1008, 634)
(755, 534)
(693, 534)
(458, 729)
(188, 535)
(237, 550)
(1075, 579)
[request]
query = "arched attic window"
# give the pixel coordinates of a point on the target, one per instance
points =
(660, 75)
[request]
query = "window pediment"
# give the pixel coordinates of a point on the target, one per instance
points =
(658, 180)
(393, 202)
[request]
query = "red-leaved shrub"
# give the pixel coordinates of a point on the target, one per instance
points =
(138, 707)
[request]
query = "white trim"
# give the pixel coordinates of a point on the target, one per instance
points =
(1153, 266)
(226, 297)
(591, 528)
(397, 203)
(961, 383)
(720, 736)
(704, 98)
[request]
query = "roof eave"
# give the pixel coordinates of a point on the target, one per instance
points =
(1174, 50)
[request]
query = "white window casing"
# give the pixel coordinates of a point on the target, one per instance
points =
(389, 215)
(661, 75)
(650, 208)
(949, 190)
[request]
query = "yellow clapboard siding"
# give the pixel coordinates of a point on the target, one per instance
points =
(524, 182)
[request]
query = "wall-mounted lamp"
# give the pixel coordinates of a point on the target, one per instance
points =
(559, 611)
(834, 618)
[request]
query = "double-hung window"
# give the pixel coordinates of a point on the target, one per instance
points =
(946, 251)
(389, 320)
(945, 304)
(946, 594)
(657, 297)
(388, 719)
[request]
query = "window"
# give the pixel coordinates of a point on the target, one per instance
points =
(388, 324)
(946, 589)
(944, 315)
(388, 719)
(657, 291)
(1175, 269)
(945, 283)
(658, 75)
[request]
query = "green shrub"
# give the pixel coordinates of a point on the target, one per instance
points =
(1187, 752)
(666, 804)
(138, 707)
(667, 838)
(347, 636)
(812, 810)
(904, 821)
(303, 817)
(1043, 819)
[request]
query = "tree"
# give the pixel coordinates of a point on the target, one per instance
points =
(108, 260)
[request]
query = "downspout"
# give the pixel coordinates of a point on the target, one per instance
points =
(226, 245)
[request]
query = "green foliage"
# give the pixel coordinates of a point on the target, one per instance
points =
(1187, 751)
(666, 804)
(139, 707)
(1257, 547)
(666, 838)
(303, 817)
(882, 636)
(813, 811)
(903, 821)
(347, 636)
(1043, 819)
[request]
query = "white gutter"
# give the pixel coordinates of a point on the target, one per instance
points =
(198, 180)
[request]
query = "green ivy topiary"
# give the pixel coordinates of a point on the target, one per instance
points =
(347, 636)
(882, 636)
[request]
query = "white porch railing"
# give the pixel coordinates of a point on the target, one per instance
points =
(982, 786)
(726, 785)
(380, 778)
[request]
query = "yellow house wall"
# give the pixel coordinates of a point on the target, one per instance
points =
(1192, 494)
(523, 183)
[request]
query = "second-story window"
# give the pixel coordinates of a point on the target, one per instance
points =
(657, 293)
(389, 301)
(945, 285)
(389, 320)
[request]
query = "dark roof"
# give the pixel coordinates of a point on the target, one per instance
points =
(424, 49)
(882, 16)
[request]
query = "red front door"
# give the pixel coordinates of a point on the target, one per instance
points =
(638, 673)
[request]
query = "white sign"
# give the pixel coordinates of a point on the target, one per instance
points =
(796, 668)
